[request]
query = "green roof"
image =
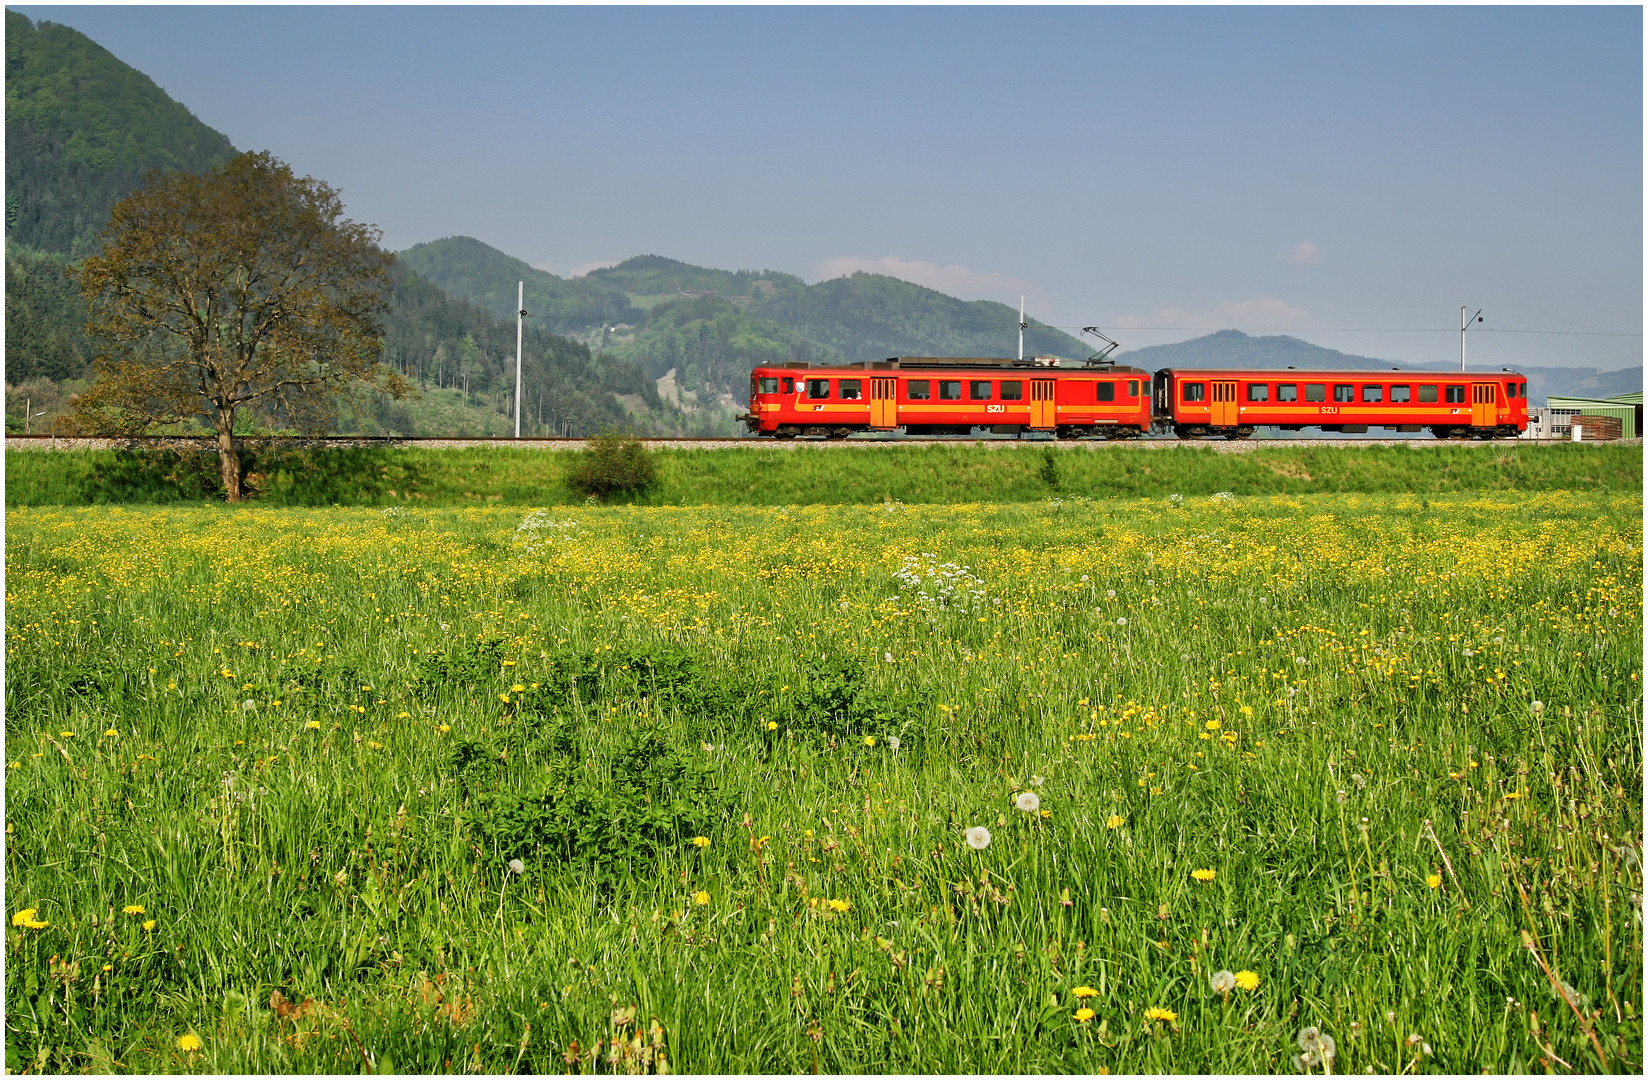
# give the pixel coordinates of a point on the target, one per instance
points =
(1623, 401)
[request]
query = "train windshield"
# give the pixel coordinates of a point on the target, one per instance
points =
(769, 384)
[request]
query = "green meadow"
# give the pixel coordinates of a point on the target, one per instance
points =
(1293, 782)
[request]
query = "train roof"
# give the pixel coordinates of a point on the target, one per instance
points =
(967, 363)
(1365, 374)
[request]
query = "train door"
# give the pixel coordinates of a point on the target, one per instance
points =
(883, 403)
(1043, 410)
(1224, 404)
(1483, 400)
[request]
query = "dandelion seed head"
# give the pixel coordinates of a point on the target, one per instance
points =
(978, 837)
(1028, 801)
(1223, 982)
(516, 866)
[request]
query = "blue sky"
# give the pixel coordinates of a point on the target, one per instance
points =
(1348, 175)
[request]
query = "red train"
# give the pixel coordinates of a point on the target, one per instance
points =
(938, 396)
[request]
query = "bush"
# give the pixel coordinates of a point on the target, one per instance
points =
(613, 463)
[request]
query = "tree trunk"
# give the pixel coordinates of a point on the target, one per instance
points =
(228, 457)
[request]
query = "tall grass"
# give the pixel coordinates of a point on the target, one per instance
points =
(776, 476)
(1402, 735)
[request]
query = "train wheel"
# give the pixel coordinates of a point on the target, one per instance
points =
(1239, 433)
(784, 433)
(838, 433)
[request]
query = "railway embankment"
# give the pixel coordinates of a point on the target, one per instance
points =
(750, 473)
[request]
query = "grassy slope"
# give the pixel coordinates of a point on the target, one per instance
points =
(765, 475)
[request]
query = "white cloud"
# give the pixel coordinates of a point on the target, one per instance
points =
(1303, 253)
(1262, 314)
(958, 281)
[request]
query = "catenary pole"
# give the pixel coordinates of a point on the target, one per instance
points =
(520, 321)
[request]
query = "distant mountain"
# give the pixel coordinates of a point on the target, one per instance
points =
(654, 278)
(871, 317)
(699, 330)
(465, 267)
(82, 130)
(1234, 349)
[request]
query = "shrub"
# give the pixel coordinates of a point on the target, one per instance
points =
(613, 463)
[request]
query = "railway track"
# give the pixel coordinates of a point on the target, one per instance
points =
(163, 442)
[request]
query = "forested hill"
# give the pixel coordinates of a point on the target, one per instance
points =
(82, 130)
(700, 329)
(486, 276)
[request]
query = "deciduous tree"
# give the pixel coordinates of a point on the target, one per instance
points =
(241, 290)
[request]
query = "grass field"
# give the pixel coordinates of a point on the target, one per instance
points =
(623, 789)
(769, 475)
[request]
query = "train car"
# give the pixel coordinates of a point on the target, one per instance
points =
(949, 396)
(1196, 402)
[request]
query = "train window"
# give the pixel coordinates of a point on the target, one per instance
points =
(769, 384)
(1195, 391)
(1373, 394)
(1132, 388)
(1287, 391)
(1455, 395)
(818, 388)
(1258, 391)
(852, 389)
(1104, 391)
(1400, 394)
(1344, 392)
(1427, 394)
(1012, 390)
(919, 389)
(1512, 390)
(978, 390)
(1316, 392)
(949, 389)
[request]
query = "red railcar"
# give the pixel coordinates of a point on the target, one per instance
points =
(1475, 404)
(941, 396)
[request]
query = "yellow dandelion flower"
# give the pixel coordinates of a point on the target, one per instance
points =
(1433, 881)
(1213, 725)
(1085, 992)
(1084, 1014)
(313, 725)
(517, 689)
(1247, 980)
(133, 909)
(111, 733)
(444, 728)
(839, 905)
(504, 698)
(66, 734)
(1156, 1012)
(701, 898)
(148, 924)
(188, 1042)
(29, 918)
(772, 725)
(700, 841)
(1202, 875)
(1115, 821)
(869, 740)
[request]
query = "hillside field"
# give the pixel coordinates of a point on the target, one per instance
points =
(1202, 783)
